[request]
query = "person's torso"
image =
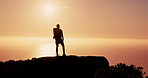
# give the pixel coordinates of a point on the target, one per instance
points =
(57, 33)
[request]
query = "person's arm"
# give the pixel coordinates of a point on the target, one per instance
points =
(62, 35)
(53, 33)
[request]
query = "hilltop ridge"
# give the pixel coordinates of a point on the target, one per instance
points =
(54, 67)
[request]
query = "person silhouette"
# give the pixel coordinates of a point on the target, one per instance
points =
(59, 38)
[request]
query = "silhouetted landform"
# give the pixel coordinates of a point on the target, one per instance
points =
(54, 67)
(121, 70)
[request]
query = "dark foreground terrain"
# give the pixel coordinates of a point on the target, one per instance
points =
(54, 67)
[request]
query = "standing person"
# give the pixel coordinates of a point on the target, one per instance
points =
(59, 38)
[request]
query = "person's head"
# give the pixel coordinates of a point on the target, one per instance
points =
(58, 26)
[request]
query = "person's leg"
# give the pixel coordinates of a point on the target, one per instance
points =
(57, 45)
(62, 43)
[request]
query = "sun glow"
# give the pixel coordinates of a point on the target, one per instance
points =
(49, 9)
(46, 50)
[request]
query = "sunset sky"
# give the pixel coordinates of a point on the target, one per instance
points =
(116, 29)
(78, 18)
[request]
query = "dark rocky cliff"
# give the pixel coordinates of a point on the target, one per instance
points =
(54, 67)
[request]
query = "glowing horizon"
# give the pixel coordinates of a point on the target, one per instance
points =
(46, 46)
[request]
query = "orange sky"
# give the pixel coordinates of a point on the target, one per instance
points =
(78, 18)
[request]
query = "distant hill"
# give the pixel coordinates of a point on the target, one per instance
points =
(54, 67)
